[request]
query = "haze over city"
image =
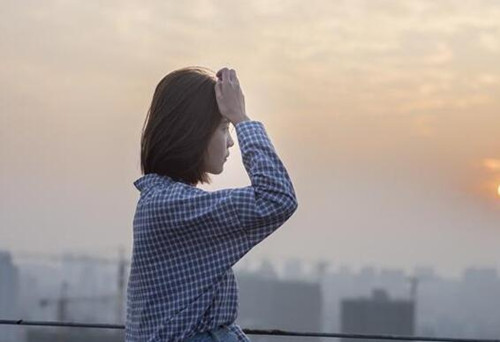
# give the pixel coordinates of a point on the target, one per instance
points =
(385, 113)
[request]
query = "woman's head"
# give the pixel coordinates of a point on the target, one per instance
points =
(184, 134)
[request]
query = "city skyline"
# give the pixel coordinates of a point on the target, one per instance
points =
(83, 289)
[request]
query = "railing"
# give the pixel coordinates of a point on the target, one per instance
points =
(273, 332)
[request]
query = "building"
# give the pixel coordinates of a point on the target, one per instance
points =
(377, 315)
(271, 303)
(9, 298)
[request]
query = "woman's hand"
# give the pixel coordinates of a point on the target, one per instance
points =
(230, 98)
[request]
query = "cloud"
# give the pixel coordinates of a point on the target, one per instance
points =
(442, 55)
(490, 42)
(425, 125)
(491, 164)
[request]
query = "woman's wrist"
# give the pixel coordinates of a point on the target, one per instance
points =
(242, 119)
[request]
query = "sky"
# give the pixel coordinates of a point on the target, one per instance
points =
(385, 113)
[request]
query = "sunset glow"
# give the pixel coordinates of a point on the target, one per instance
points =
(384, 112)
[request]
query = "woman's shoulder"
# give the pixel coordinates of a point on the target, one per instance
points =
(178, 192)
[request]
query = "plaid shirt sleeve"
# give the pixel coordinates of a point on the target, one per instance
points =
(186, 240)
(254, 211)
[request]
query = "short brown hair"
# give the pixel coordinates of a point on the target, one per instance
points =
(178, 126)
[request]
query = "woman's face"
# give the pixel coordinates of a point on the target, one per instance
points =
(218, 148)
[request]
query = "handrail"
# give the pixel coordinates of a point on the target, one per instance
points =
(274, 332)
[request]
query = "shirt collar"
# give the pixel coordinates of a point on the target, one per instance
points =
(150, 179)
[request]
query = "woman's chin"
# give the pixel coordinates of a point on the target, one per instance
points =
(217, 172)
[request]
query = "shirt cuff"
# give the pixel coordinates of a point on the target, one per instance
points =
(239, 126)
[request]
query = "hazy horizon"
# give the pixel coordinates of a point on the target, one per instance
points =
(385, 113)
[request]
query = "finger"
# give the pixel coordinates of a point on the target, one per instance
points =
(235, 78)
(232, 75)
(225, 75)
(218, 88)
(221, 72)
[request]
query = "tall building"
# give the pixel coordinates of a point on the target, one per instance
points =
(377, 315)
(272, 303)
(9, 298)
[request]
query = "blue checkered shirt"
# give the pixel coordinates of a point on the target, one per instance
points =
(186, 241)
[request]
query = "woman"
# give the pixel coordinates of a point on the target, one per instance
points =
(181, 285)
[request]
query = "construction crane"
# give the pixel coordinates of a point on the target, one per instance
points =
(63, 301)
